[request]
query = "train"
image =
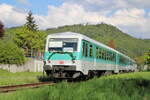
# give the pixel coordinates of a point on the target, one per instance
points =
(73, 55)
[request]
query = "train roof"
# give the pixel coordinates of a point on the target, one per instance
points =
(78, 35)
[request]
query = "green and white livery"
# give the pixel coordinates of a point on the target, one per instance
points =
(72, 55)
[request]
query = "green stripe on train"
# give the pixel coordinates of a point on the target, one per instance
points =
(78, 56)
(61, 56)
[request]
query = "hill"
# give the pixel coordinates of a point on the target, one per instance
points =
(105, 33)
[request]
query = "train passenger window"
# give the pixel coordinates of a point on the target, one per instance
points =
(105, 57)
(108, 55)
(91, 51)
(111, 56)
(114, 57)
(103, 54)
(122, 60)
(100, 53)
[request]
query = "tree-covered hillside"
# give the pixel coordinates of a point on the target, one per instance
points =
(104, 33)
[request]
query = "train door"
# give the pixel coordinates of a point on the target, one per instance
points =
(85, 56)
(94, 53)
(116, 70)
(92, 56)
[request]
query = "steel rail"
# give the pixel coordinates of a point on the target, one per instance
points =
(5, 89)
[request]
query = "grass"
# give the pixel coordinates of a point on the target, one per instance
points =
(8, 78)
(130, 86)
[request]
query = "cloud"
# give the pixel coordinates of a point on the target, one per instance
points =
(10, 16)
(139, 3)
(111, 4)
(131, 21)
(25, 2)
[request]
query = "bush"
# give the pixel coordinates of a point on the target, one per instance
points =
(10, 53)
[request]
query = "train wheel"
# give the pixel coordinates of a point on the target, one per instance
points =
(90, 75)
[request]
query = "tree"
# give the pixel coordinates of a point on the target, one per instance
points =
(31, 22)
(111, 44)
(147, 59)
(1, 29)
(28, 39)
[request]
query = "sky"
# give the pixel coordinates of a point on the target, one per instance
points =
(130, 16)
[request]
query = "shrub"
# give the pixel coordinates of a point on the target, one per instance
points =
(10, 53)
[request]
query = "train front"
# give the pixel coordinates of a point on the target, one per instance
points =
(61, 56)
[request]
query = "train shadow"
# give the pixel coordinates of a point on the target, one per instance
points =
(57, 80)
(44, 78)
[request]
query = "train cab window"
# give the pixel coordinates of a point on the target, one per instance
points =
(91, 51)
(62, 44)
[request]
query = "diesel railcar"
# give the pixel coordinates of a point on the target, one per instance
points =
(72, 55)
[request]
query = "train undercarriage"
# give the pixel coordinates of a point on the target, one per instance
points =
(63, 72)
(69, 72)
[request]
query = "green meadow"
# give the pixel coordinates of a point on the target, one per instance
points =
(8, 78)
(129, 86)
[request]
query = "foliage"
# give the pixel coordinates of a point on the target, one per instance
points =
(133, 86)
(147, 59)
(10, 53)
(111, 44)
(31, 22)
(140, 62)
(8, 78)
(27, 39)
(1, 29)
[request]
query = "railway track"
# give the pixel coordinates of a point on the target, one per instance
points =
(5, 89)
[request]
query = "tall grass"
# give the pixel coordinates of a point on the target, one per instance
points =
(133, 86)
